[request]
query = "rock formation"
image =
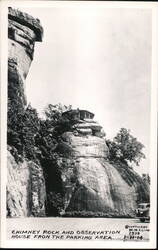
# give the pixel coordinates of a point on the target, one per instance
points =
(25, 183)
(25, 188)
(77, 179)
(23, 32)
(88, 182)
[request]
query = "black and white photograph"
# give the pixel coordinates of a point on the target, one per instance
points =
(80, 168)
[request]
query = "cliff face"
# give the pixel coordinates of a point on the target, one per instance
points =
(25, 188)
(89, 183)
(25, 182)
(23, 32)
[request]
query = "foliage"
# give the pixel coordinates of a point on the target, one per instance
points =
(96, 214)
(31, 136)
(56, 122)
(125, 147)
(14, 124)
(55, 203)
(23, 127)
(40, 140)
(54, 112)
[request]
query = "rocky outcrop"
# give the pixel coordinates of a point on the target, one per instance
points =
(25, 188)
(23, 32)
(25, 182)
(89, 183)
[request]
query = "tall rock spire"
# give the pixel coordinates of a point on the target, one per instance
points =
(25, 181)
(23, 32)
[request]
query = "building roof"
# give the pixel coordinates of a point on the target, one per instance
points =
(76, 111)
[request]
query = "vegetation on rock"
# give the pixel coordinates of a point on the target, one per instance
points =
(39, 140)
(124, 147)
(90, 214)
(23, 127)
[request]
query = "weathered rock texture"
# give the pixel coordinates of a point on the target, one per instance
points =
(25, 188)
(25, 184)
(23, 32)
(88, 181)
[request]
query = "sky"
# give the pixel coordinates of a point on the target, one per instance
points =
(98, 59)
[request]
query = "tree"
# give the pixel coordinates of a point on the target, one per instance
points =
(56, 122)
(124, 147)
(23, 126)
(54, 112)
(30, 129)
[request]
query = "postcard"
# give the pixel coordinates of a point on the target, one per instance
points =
(78, 124)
